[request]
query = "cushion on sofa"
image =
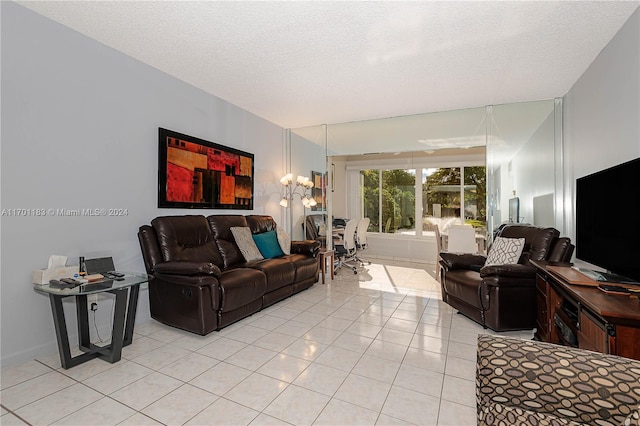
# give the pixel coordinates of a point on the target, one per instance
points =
(246, 244)
(260, 223)
(537, 240)
(240, 286)
(186, 238)
(284, 239)
(280, 272)
(505, 251)
(306, 266)
(268, 244)
(221, 229)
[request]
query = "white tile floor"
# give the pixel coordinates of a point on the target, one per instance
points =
(377, 348)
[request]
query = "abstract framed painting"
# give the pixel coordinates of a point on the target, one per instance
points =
(319, 190)
(197, 174)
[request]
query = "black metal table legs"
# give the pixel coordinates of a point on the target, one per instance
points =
(121, 335)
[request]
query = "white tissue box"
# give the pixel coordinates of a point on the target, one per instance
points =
(43, 276)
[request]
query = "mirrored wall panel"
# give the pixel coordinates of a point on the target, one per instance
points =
(307, 206)
(522, 163)
(410, 175)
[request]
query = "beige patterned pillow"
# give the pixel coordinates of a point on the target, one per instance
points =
(505, 251)
(244, 240)
(284, 240)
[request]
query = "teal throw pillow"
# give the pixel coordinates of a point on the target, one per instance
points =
(268, 244)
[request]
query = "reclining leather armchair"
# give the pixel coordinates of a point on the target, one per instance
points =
(313, 228)
(501, 297)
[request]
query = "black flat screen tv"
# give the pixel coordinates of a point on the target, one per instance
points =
(608, 221)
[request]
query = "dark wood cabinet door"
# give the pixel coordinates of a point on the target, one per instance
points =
(592, 334)
(542, 311)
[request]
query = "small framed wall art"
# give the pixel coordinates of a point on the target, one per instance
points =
(197, 174)
(319, 190)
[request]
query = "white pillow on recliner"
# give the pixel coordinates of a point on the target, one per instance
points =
(505, 251)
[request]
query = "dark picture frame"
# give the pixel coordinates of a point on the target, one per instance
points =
(514, 210)
(197, 174)
(319, 190)
(333, 177)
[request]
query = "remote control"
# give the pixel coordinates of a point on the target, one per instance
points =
(117, 274)
(115, 277)
(70, 281)
(614, 289)
(60, 284)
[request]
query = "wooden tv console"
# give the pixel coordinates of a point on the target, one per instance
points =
(582, 315)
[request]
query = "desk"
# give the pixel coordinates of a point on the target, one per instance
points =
(325, 254)
(124, 315)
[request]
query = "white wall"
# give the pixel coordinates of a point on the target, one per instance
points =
(533, 171)
(602, 113)
(340, 194)
(306, 156)
(80, 130)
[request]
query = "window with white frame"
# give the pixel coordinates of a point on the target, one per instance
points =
(394, 197)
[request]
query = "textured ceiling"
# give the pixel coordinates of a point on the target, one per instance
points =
(307, 63)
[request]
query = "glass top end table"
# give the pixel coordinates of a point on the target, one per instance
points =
(126, 302)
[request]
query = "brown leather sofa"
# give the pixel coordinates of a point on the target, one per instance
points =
(200, 281)
(501, 297)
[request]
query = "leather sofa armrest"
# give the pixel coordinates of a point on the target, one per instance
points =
(196, 281)
(513, 271)
(186, 267)
(306, 247)
(561, 251)
(468, 261)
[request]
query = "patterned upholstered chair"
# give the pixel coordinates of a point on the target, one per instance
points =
(523, 382)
